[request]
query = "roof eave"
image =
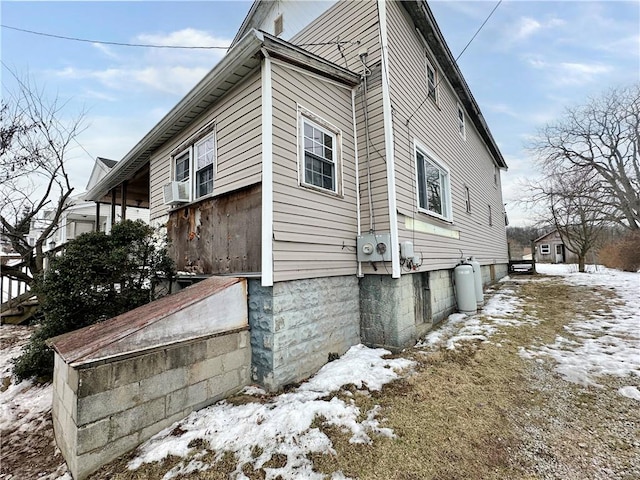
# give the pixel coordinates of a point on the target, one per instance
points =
(424, 20)
(248, 46)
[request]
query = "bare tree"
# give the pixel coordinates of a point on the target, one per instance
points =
(601, 137)
(571, 205)
(36, 143)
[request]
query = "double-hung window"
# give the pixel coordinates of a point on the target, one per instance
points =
(204, 153)
(461, 127)
(319, 155)
(195, 167)
(182, 162)
(434, 197)
(545, 249)
(467, 199)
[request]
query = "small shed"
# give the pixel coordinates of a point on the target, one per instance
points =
(549, 248)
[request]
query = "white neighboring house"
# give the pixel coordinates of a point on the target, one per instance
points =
(80, 216)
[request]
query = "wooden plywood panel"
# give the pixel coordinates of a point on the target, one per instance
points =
(220, 235)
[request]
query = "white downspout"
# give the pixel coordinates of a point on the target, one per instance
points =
(357, 167)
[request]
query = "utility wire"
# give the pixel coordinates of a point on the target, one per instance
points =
(457, 58)
(102, 42)
(146, 45)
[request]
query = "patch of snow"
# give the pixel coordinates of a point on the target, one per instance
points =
(630, 392)
(606, 344)
(24, 404)
(255, 432)
(254, 391)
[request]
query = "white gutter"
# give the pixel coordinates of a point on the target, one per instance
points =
(388, 142)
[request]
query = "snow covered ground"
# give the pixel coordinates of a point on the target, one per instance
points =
(606, 343)
(284, 424)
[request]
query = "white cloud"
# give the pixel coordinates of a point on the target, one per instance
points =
(105, 49)
(187, 37)
(526, 27)
(563, 74)
(162, 70)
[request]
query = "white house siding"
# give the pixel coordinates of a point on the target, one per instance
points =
(237, 120)
(314, 232)
(469, 161)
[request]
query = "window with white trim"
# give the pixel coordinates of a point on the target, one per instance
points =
(461, 127)
(545, 249)
(196, 166)
(432, 82)
(204, 153)
(319, 154)
(181, 167)
(434, 195)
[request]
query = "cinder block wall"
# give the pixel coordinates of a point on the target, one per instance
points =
(103, 410)
(443, 295)
(388, 316)
(295, 325)
(387, 310)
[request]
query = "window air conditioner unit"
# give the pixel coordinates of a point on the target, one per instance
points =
(176, 192)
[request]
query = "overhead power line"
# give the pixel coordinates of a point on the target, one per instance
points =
(457, 58)
(103, 42)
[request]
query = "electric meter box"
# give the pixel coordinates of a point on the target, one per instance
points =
(374, 247)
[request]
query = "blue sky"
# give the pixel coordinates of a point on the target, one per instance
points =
(530, 61)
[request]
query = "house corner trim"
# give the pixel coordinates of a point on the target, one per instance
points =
(267, 173)
(388, 141)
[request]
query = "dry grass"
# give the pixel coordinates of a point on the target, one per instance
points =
(469, 413)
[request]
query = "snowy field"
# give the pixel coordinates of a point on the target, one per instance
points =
(608, 343)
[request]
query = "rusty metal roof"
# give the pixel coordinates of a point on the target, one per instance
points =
(84, 345)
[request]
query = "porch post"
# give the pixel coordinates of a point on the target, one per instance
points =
(123, 205)
(113, 208)
(97, 216)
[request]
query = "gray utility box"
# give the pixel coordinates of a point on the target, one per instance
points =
(374, 247)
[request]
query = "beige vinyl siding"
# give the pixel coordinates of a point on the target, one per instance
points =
(349, 21)
(469, 161)
(314, 232)
(237, 120)
(358, 21)
(376, 155)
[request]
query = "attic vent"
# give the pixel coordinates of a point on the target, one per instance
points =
(278, 26)
(176, 192)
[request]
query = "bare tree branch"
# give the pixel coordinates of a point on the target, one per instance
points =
(602, 137)
(36, 141)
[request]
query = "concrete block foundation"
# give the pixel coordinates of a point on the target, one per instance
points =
(297, 325)
(103, 410)
(396, 312)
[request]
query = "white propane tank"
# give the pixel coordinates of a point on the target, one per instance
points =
(477, 276)
(465, 288)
